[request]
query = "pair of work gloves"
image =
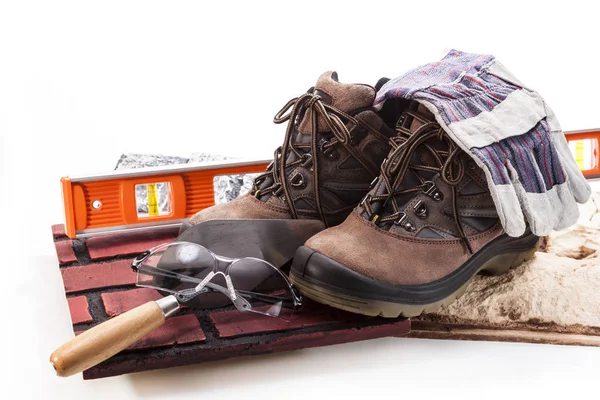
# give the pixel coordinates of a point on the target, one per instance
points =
(508, 130)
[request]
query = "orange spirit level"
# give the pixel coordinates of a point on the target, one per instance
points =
(145, 198)
(155, 197)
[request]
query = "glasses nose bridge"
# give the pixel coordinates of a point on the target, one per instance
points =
(222, 263)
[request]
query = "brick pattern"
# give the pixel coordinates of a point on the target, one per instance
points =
(96, 276)
(166, 358)
(80, 313)
(58, 231)
(65, 253)
(132, 244)
(116, 303)
(232, 323)
(100, 284)
(176, 330)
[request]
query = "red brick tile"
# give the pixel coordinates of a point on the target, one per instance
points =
(58, 231)
(154, 350)
(179, 329)
(149, 360)
(176, 330)
(101, 247)
(80, 312)
(64, 251)
(94, 276)
(116, 303)
(234, 323)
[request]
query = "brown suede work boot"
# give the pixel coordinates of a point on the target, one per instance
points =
(418, 237)
(333, 148)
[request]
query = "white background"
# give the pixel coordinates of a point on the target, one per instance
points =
(82, 82)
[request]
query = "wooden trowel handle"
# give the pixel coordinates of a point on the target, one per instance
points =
(107, 339)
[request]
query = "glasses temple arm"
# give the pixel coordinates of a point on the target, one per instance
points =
(285, 302)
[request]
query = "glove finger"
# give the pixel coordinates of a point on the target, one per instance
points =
(554, 209)
(531, 154)
(523, 161)
(570, 210)
(576, 182)
(535, 206)
(492, 159)
(560, 195)
(507, 204)
(547, 158)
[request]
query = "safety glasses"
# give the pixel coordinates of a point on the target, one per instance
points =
(199, 278)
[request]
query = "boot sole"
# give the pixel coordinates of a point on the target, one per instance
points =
(338, 298)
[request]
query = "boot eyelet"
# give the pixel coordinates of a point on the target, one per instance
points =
(298, 181)
(259, 180)
(471, 165)
(306, 159)
(366, 198)
(432, 191)
(400, 122)
(327, 148)
(420, 209)
(279, 189)
(374, 182)
(405, 223)
(324, 145)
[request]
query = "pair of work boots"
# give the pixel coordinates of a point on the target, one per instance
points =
(409, 216)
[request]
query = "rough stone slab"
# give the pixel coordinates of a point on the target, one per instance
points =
(505, 335)
(524, 333)
(553, 298)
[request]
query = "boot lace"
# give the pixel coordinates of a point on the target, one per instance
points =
(293, 154)
(393, 170)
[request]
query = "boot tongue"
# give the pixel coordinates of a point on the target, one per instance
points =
(419, 116)
(343, 96)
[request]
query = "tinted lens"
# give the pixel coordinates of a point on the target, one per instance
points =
(261, 287)
(175, 266)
